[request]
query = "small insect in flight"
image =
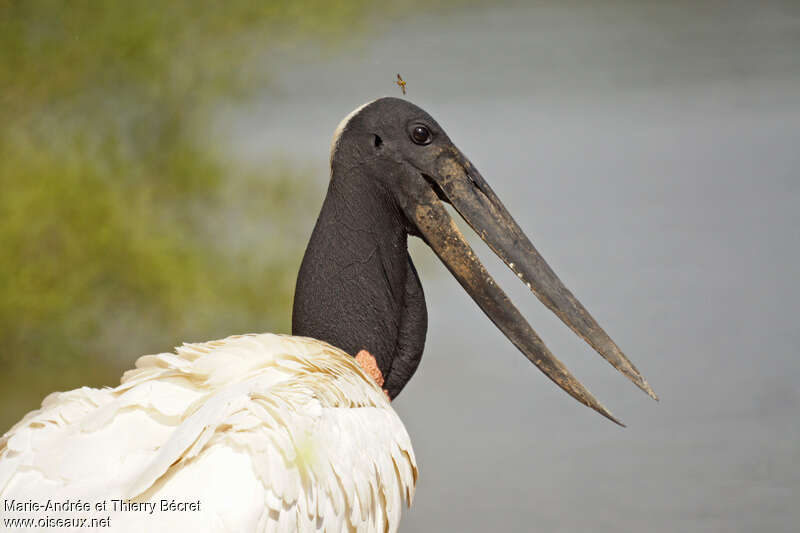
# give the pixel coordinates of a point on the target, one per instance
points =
(401, 83)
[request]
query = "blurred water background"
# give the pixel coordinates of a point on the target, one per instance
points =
(161, 169)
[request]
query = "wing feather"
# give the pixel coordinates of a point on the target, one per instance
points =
(270, 432)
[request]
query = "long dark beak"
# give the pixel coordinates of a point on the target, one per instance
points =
(458, 182)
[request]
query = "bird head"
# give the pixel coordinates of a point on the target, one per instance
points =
(411, 156)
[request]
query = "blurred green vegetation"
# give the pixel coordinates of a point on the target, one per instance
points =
(122, 230)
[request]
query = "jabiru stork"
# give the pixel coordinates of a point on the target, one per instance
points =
(289, 433)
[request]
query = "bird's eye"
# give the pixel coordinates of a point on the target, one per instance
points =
(420, 134)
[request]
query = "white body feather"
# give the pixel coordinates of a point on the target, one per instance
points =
(267, 432)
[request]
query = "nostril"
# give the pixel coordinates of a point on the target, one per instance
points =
(378, 141)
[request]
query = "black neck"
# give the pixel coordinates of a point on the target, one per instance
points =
(353, 284)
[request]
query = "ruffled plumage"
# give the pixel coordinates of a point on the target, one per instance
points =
(268, 432)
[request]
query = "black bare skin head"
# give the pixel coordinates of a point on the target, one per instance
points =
(357, 287)
(392, 166)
